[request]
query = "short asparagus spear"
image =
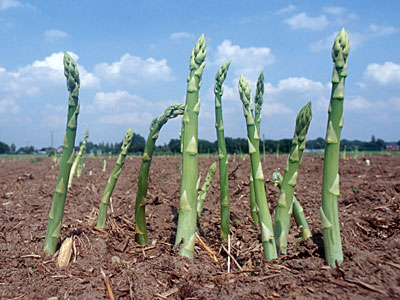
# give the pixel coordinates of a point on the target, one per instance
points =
(330, 181)
(78, 158)
(284, 209)
(222, 154)
(267, 233)
(171, 112)
(186, 230)
(112, 180)
(298, 211)
(57, 207)
(205, 187)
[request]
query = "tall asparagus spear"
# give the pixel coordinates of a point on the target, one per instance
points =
(223, 157)
(284, 209)
(298, 211)
(78, 158)
(57, 207)
(171, 112)
(267, 233)
(257, 116)
(112, 180)
(186, 230)
(330, 181)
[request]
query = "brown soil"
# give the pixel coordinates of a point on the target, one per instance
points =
(369, 215)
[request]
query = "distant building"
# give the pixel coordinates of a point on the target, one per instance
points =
(392, 146)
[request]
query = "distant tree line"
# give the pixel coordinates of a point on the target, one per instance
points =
(233, 145)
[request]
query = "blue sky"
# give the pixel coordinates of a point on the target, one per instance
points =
(133, 58)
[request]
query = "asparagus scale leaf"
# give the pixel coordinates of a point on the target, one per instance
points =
(171, 112)
(267, 233)
(204, 188)
(222, 153)
(57, 208)
(185, 235)
(284, 209)
(330, 181)
(112, 180)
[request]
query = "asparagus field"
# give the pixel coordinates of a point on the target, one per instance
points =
(369, 224)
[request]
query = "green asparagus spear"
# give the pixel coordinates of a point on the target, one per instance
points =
(186, 230)
(57, 207)
(112, 180)
(140, 214)
(330, 181)
(78, 158)
(298, 211)
(223, 157)
(204, 189)
(267, 234)
(284, 209)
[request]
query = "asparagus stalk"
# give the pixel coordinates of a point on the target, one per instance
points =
(330, 181)
(140, 208)
(112, 180)
(57, 207)
(78, 158)
(298, 211)
(223, 157)
(267, 234)
(204, 189)
(186, 230)
(257, 116)
(284, 209)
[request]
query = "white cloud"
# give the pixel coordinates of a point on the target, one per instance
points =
(126, 119)
(395, 103)
(8, 106)
(334, 10)
(387, 73)
(357, 103)
(110, 100)
(270, 109)
(378, 30)
(53, 34)
(6, 4)
(135, 69)
(302, 21)
(181, 35)
(297, 85)
(247, 61)
(31, 79)
(286, 9)
(356, 38)
(54, 116)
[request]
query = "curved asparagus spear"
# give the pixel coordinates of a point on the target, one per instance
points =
(57, 208)
(112, 180)
(171, 112)
(330, 182)
(223, 157)
(204, 189)
(257, 116)
(298, 211)
(78, 158)
(267, 234)
(283, 210)
(185, 235)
